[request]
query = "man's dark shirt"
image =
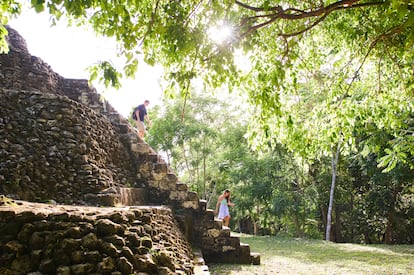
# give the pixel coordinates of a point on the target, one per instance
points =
(142, 112)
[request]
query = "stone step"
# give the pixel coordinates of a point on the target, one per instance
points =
(114, 196)
(114, 117)
(140, 148)
(203, 205)
(123, 128)
(132, 196)
(255, 258)
(171, 177)
(153, 158)
(225, 232)
(160, 167)
(200, 267)
(244, 254)
(218, 222)
(181, 186)
(245, 248)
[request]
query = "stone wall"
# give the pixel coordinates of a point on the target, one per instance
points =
(52, 147)
(30, 73)
(90, 240)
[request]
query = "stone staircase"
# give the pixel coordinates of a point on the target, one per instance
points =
(158, 185)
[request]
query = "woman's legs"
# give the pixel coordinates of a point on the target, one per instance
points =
(226, 220)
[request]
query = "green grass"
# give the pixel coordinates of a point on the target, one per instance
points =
(282, 255)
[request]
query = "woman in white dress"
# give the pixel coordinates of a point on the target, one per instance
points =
(222, 207)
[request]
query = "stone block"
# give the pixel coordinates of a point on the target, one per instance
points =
(217, 223)
(192, 196)
(24, 234)
(244, 248)
(106, 227)
(128, 254)
(209, 215)
(174, 195)
(255, 258)
(160, 168)
(107, 265)
(145, 263)
(109, 249)
(208, 244)
(92, 257)
(132, 196)
(227, 248)
(153, 158)
(123, 128)
(158, 177)
(172, 177)
(178, 195)
(63, 270)
(70, 245)
(153, 184)
(146, 242)
(225, 232)
(164, 258)
(116, 240)
(190, 204)
(163, 185)
(244, 252)
(118, 217)
(114, 118)
(107, 199)
(203, 205)
(234, 241)
(181, 186)
(214, 233)
(163, 270)
(140, 148)
(133, 238)
(125, 267)
(90, 241)
(82, 268)
(47, 266)
(172, 186)
(76, 257)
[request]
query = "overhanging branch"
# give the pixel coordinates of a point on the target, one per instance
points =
(271, 14)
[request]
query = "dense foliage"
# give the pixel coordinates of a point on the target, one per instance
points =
(274, 190)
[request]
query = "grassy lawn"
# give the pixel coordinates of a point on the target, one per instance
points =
(280, 255)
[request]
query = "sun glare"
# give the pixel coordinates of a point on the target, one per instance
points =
(220, 33)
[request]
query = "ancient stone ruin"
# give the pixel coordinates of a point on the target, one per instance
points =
(83, 194)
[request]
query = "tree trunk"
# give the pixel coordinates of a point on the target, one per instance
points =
(204, 168)
(299, 230)
(335, 156)
(389, 230)
(338, 233)
(352, 216)
(187, 164)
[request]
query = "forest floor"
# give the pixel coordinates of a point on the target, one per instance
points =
(283, 255)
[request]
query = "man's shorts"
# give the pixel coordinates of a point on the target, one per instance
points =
(140, 125)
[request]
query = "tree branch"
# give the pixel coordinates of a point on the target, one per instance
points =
(384, 35)
(151, 23)
(257, 9)
(320, 19)
(277, 12)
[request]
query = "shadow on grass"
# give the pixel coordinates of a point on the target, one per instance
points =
(316, 253)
